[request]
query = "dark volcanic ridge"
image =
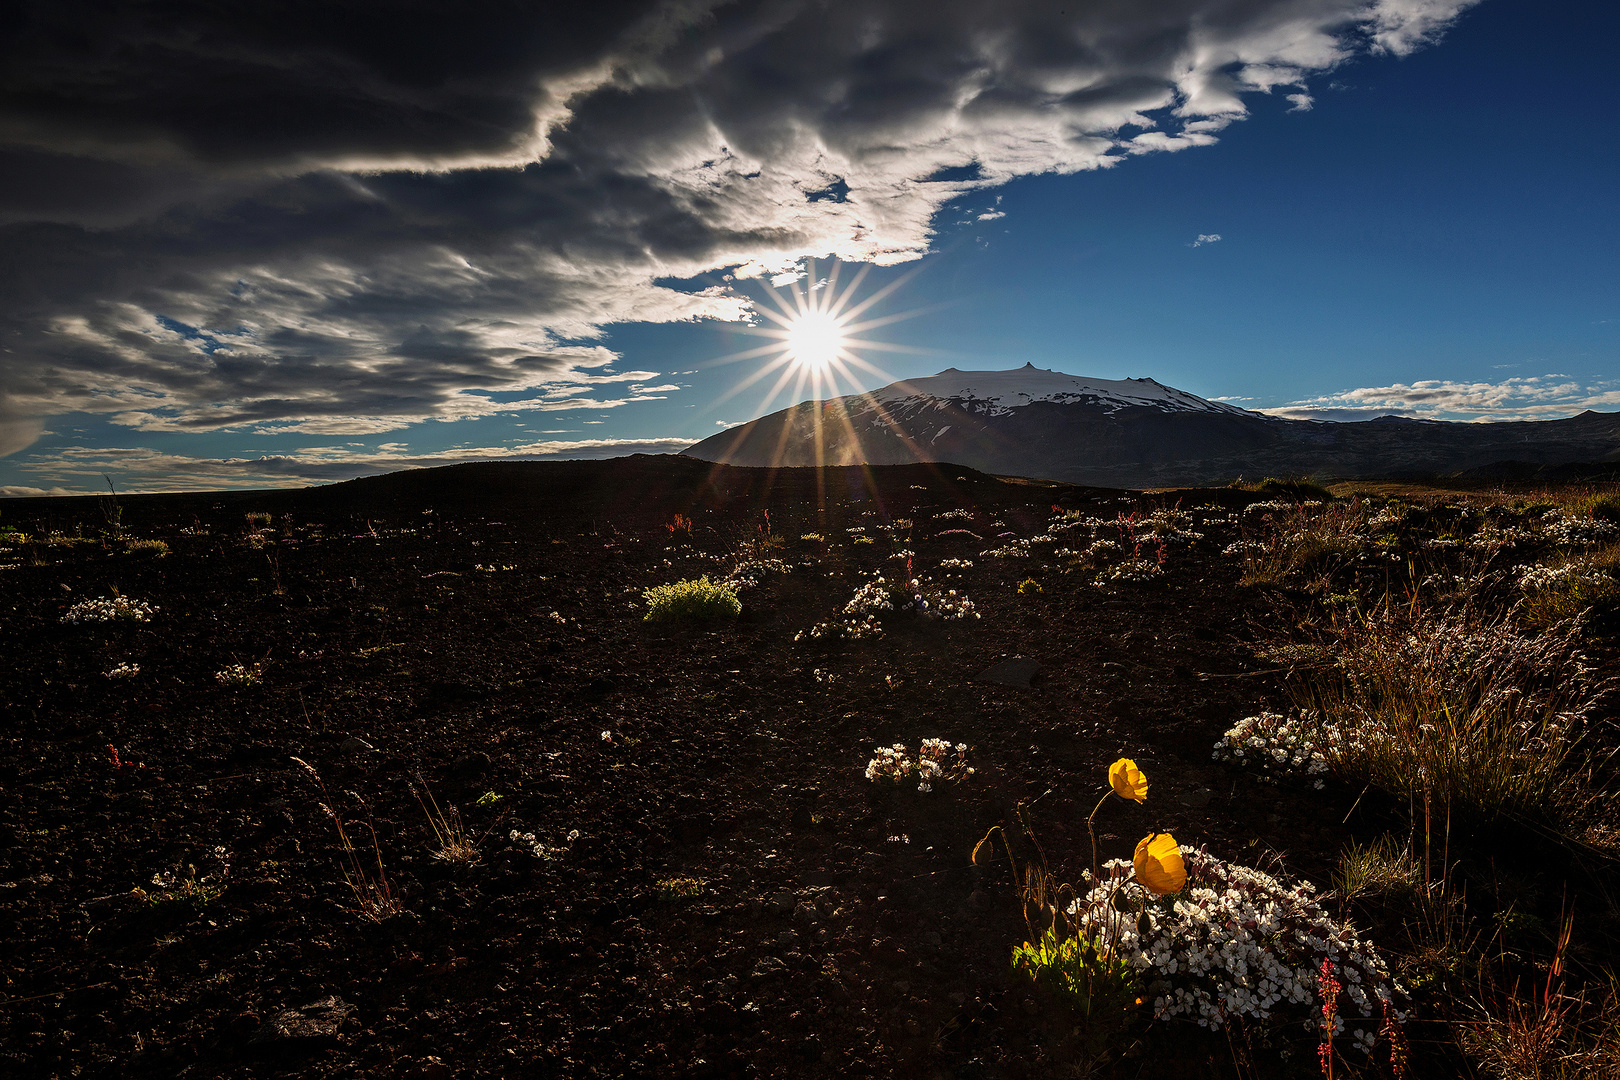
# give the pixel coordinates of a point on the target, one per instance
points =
(1136, 433)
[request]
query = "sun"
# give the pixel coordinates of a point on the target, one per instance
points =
(814, 340)
(817, 337)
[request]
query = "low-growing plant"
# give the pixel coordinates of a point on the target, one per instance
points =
(539, 848)
(1455, 710)
(185, 886)
(676, 889)
(451, 841)
(110, 609)
(124, 670)
(691, 601)
(1560, 592)
(240, 676)
(1029, 587)
(1378, 867)
(933, 763)
(151, 548)
(364, 874)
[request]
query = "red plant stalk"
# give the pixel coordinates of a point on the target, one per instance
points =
(1328, 987)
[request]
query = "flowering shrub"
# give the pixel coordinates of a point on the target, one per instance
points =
(933, 763)
(125, 670)
(1279, 746)
(1234, 942)
(695, 601)
(117, 609)
(881, 595)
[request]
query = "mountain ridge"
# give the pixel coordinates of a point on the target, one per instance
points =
(1131, 433)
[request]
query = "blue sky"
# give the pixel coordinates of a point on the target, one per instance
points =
(1434, 234)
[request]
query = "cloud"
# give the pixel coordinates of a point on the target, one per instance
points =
(1206, 238)
(991, 215)
(1302, 102)
(351, 218)
(14, 491)
(1537, 397)
(142, 469)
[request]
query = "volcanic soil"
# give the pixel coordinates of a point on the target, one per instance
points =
(718, 889)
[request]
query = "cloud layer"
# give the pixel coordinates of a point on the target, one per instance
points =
(1537, 397)
(349, 217)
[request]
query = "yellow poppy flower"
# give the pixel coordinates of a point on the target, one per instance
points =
(1158, 864)
(1127, 780)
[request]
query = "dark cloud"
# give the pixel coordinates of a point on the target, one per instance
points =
(357, 216)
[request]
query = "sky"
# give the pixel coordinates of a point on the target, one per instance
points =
(297, 243)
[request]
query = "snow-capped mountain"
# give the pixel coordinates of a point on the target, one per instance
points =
(1128, 433)
(998, 392)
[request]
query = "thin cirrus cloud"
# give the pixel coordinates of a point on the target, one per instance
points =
(213, 218)
(1537, 397)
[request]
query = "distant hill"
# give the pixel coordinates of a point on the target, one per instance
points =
(1132, 433)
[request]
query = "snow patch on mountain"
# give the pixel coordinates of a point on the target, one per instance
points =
(997, 393)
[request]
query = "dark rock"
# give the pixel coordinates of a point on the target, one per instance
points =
(307, 1026)
(1014, 671)
(768, 968)
(474, 764)
(460, 689)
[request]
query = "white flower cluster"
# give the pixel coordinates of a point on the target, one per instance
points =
(125, 670)
(1491, 539)
(933, 763)
(1245, 548)
(1235, 942)
(956, 564)
(1562, 528)
(1537, 578)
(746, 574)
(1015, 549)
(1133, 569)
(118, 609)
(1173, 526)
(954, 515)
(239, 675)
(875, 596)
(541, 849)
(904, 553)
(1279, 745)
(845, 629)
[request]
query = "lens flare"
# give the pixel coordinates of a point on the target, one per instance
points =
(817, 339)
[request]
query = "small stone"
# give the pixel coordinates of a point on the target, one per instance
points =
(913, 1028)
(783, 903)
(902, 987)
(1196, 799)
(1030, 1008)
(315, 1022)
(806, 913)
(787, 937)
(768, 967)
(1014, 671)
(354, 746)
(933, 939)
(957, 998)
